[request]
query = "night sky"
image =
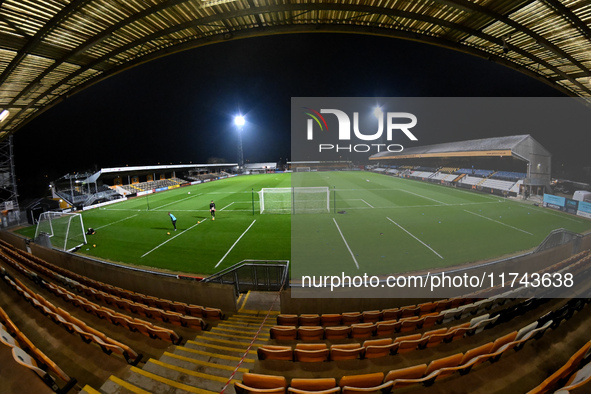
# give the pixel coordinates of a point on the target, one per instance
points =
(180, 108)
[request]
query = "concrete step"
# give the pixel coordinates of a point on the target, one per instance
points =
(213, 357)
(241, 338)
(90, 390)
(186, 376)
(115, 385)
(219, 348)
(238, 331)
(155, 383)
(232, 343)
(205, 367)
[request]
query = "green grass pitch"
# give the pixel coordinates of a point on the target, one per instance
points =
(379, 225)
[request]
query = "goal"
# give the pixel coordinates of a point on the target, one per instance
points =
(64, 230)
(295, 200)
(302, 169)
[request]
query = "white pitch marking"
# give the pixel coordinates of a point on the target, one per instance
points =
(346, 244)
(496, 221)
(428, 198)
(424, 244)
(227, 206)
(232, 247)
(368, 204)
(106, 225)
(170, 239)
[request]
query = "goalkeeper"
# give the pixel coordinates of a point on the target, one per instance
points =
(212, 209)
(173, 219)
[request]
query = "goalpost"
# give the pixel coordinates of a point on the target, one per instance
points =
(64, 230)
(295, 200)
(302, 169)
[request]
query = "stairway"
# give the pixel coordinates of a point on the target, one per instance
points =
(205, 364)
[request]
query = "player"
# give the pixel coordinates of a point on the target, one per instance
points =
(212, 209)
(173, 218)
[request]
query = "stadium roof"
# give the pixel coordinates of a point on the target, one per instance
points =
(51, 49)
(485, 147)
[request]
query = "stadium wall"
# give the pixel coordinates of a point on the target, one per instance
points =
(168, 287)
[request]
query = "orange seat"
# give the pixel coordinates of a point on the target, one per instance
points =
(365, 382)
(362, 330)
(413, 372)
(441, 363)
(371, 316)
(411, 323)
(309, 320)
(283, 333)
(391, 314)
(258, 383)
(349, 318)
(270, 352)
(310, 333)
(311, 352)
(337, 332)
(347, 351)
(375, 348)
(330, 319)
(387, 328)
(313, 385)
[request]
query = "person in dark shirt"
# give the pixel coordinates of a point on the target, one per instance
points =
(212, 209)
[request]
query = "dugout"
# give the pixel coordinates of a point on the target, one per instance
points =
(520, 153)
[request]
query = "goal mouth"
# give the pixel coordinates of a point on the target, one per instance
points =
(62, 230)
(294, 200)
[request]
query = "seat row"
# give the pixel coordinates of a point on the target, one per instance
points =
(373, 316)
(27, 355)
(425, 374)
(172, 317)
(72, 324)
(367, 330)
(72, 279)
(110, 315)
(374, 348)
(119, 319)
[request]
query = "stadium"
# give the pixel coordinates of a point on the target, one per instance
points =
(458, 263)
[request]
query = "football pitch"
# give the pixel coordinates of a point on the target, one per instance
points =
(376, 224)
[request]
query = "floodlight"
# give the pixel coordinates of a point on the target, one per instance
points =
(239, 120)
(378, 112)
(3, 115)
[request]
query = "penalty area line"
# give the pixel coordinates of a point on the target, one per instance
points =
(170, 239)
(106, 225)
(496, 221)
(346, 244)
(424, 244)
(232, 247)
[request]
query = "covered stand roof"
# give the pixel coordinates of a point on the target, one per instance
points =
(521, 147)
(485, 147)
(51, 49)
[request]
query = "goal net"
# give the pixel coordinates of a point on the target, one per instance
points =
(295, 200)
(302, 169)
(64, 230)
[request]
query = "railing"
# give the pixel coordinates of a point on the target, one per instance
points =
(558, 237)
(259, 275)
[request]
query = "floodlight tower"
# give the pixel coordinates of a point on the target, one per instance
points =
(239, 122)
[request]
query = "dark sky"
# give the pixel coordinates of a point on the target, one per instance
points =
(180, 108)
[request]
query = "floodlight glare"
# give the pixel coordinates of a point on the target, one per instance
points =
(239, 120)
(378, 112)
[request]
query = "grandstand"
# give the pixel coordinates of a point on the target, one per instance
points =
(507, 154)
